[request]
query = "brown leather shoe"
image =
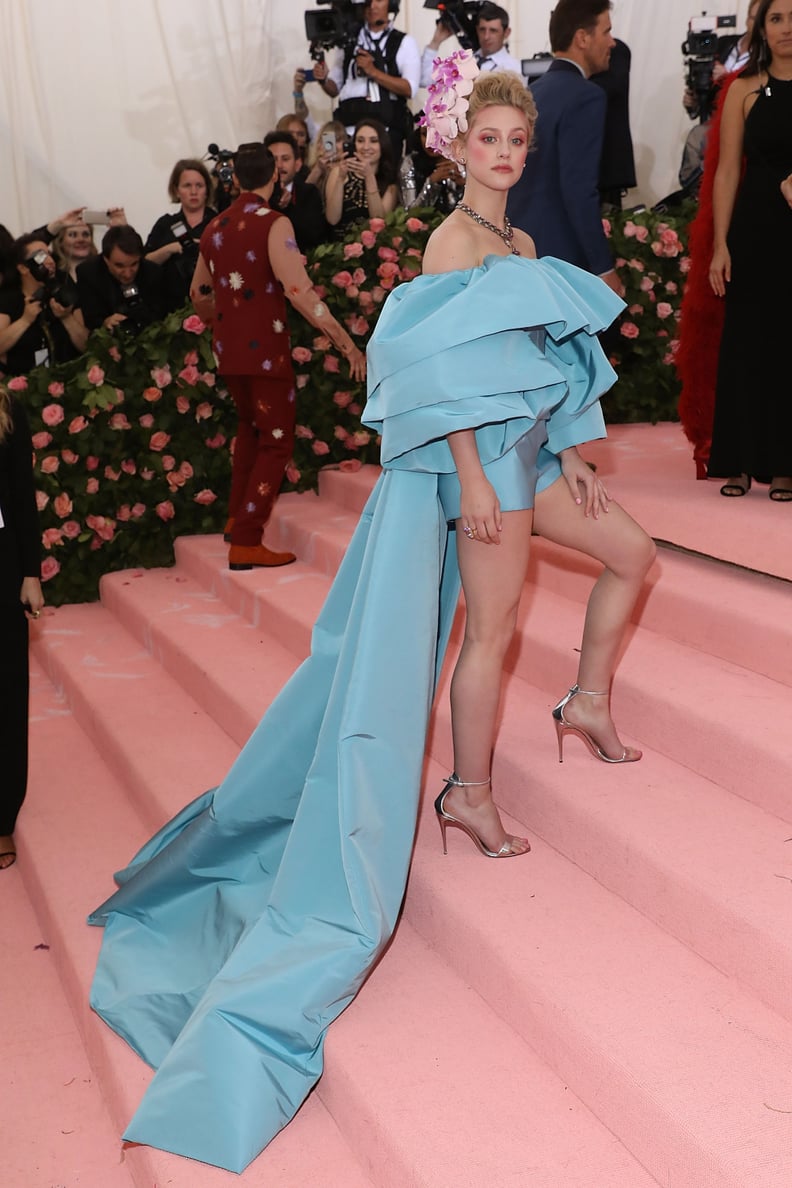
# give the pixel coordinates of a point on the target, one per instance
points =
(247, 557)
(228, 529)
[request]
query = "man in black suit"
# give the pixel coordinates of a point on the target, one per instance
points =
(557, 198)
(617, 164)
(119, 287)
(297, 198)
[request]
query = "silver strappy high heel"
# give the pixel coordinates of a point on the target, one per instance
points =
(563, 727)
(445, 819)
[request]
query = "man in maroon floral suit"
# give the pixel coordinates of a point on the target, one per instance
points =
(249, 263)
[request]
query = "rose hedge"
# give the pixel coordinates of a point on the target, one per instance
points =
(132, 440)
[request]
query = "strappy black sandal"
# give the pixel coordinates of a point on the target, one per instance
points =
(742, 486)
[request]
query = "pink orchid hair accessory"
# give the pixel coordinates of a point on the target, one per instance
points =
(445, 111)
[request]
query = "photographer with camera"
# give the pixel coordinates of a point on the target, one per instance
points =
(173, 240)
(119, 288)
(492, 33)
(40, 318)
(375, 75)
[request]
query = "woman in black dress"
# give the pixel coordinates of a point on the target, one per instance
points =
(752, 265)
(363, 185)
(20, 599)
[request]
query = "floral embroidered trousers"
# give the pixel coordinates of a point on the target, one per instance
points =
(264, 445)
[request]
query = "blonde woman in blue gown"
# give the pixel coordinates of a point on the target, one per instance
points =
(248, 923)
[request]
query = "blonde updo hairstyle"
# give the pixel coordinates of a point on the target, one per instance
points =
(499, 88)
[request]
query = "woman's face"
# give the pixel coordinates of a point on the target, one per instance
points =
(496, 146)
(191, 190)
(77, 242)
(298, 131)
(367, 145)
(778, 29)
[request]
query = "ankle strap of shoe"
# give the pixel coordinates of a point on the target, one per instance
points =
(590, 692)
(455, 780)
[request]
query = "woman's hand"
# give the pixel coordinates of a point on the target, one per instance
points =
(786, 188)
(480, 511)
(362, 169)
(31, 597)
(720, 271)
(446, 170)
(588, 491)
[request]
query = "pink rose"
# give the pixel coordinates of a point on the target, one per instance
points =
(647, 284)
(342, 399)
(352, 291)
(182, 404)
(161, 376)
(193, 324)
(166, 510)
(91, 463)
(208, 378)
(17, 384)
(302, 380)
(119, 421)
(159, 440)
(292, 473)
(636, 309)
(205, 497)
(303, 431)
(377, 225)
(664, 310)
(321, 291)
(103, 526)
(191, 358)
(138, 509)
(672, 287)
(152, 394)
(415, 252)
(70, 457)
(350, 465)
(629, 330)
(302, 354)
(187, 470)
(77, 425)
(128, 466)
(642, 234)
(414, 225)
(409, 273)
(92, 486)
(124, 513)
(662, 334)
(71, 529)
(342, 280)
(175, 480)
(203, 412)
(322, 343)
(168, 462)
(330, 363)
(606, 226)
(386, 253)
(49, 567)
(51, 414)
(42, 499)
(190, 375)
(55, 389)
(351, 252)
(361, 438)
(638, 265)
(146, 473)
(340, 433)
(378, 294)
(51, 536)
(95, 375)
(320, 447)
(50, 464)
(368, 238)
(355, 409)
(62, 505)
(684, 265)
(112, 475)
(630, 229)
(115, 354)
(357, 324)
(214, 443)
(387, 272)
(358, 276)
(41, 440)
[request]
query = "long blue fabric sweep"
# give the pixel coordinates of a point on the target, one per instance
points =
(248, 923)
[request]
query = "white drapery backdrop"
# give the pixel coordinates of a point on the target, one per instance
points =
(99, 98)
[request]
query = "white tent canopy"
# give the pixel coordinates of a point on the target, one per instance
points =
(100, 97)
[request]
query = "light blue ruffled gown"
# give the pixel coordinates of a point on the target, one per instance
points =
(247, 924)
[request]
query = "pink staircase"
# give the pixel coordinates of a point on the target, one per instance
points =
(612, 1011)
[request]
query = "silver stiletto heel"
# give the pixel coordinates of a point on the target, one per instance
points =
(445, 819)
(563, 727)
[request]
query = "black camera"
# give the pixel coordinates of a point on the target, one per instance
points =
(701, 51)
(223, 172)
(460, 16)
(134, 309)
(52, 286)
(336, 27)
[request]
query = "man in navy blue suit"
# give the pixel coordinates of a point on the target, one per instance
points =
(557, 199)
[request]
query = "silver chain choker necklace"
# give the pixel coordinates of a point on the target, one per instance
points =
(507, 234)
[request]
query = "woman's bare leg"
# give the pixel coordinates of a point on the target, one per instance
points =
(626, 552)
(493, 577)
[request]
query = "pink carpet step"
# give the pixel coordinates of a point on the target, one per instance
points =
(83, 801)
(55, 1127)
(527, 1115)
(706, 713)
(692, 1074)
